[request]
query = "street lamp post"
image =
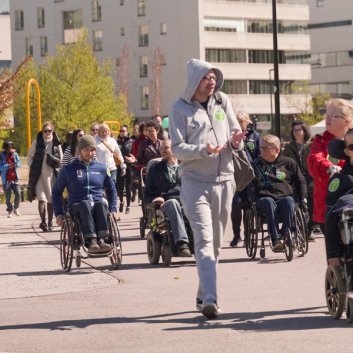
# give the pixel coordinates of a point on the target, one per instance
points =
(275, 70)
(271, 85)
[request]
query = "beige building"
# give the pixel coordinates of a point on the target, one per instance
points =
(234, 35)
(5, 40)
(331, 31)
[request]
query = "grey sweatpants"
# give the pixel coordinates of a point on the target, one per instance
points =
(207, 207)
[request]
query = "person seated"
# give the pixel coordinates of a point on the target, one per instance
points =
(163, 188)
(85, 180)
(339, 196)
(276, 179)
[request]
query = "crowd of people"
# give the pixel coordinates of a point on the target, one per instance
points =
(194, 176)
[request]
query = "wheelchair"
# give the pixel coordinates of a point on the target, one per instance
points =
(254, 224)
(160, 241)
(72, 241)
(339, 280)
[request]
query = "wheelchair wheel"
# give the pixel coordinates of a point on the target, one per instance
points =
(153, 249)
(166, 254)
(66, 245)
(302, 233)
(334, 291)
(116, 257)
(349, 310)
(142, 227)
(287, 243)
(251, 235)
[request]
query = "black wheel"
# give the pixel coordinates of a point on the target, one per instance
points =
(302, 231)
(262, 253)
(66, 245)
(251, 235)
(142, 227)
(334, 291)
(287, 243)
(153, 249)
(166, 254)
(349, 310)
(116, 257)
(78, 261)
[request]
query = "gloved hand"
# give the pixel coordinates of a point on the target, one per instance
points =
(122, 169)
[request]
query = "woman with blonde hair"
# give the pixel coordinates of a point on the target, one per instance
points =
(107, 148)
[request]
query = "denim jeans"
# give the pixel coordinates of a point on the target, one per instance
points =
(17, 194)
(93, 218)
(171, 208)
(276, 210)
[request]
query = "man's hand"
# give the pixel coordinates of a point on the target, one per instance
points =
(236, 137)
(158, 200)
(60, 220)
(130, 159)
(115, 216)
(334, 261)
(215, 149)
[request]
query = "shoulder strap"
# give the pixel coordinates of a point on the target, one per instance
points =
(219, 99)
(106, 145)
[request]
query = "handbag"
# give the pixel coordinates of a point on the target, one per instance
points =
(243, 171)
(53, 161)
(117, 158)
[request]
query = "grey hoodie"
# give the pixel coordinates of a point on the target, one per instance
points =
(192, 128)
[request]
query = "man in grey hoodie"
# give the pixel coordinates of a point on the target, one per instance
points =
(204, 131)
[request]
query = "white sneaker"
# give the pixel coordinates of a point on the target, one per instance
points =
(210, 309)
(17, 212)
(9, 215)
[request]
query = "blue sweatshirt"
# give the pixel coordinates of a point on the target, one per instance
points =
(84, 182)
(4, 167)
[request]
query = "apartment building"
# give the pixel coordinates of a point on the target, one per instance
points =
(234, 35)
(331, 31)
(5, 40)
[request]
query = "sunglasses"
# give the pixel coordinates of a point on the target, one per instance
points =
(350, 147)
(47, 131)
(123, 130)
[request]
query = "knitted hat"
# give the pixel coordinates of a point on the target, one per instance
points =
(86, 141)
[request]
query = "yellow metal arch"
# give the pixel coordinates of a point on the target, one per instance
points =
(114, 126)
(33, 82)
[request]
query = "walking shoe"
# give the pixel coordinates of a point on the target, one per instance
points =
(316, 229)
(104, 247)
(43, 226)
(277, 246)
(50, 226)
(234, 242)
(210, 309)
(199, 303)
(311, 237)
(121, 207)
(17, 212)
(127, 211)
(93, 246)
(183, 250)
(133, 197)
(9, 214)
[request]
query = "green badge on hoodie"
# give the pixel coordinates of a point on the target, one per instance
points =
(334, 184)
(219, 114)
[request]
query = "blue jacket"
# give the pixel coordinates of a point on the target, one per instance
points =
(4, 167)
(84, 182)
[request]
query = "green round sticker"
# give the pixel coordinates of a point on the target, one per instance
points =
(219, 115)
(333, 160)
(250, 145)
(334, 184)
(280, 175)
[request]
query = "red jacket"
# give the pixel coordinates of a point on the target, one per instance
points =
(318, 163)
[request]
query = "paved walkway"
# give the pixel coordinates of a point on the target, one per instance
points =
(271, 306)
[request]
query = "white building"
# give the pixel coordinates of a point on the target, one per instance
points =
(5, 40)
(331, 32)
(234, 35)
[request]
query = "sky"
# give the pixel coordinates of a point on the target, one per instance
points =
(4, 5)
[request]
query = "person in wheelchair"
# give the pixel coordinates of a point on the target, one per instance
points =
(163, 188)
(277, 179)
(85, 180)
(339, 196)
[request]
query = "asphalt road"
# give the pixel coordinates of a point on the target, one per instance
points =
(271, 306)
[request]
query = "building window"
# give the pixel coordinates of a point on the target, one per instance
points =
(224, 25)
(40, 17)
(144, 98)
(143, 66)
(266, 87)
(96, 11)
(29, 47)
(43, 46)
(72, 25)
(19, 20)
(143, 36)
(235, 87)
(330, 24)
(122, 31)
(265, 26)
(97, 40)
(226, 55)
(163, 28)
(141, 8)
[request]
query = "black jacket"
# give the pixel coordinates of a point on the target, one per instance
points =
(279, 179)
(159, 184)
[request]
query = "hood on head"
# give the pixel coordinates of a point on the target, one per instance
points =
(196, 69)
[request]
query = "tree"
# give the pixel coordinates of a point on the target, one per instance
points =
(156, 83)
(75, 90)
